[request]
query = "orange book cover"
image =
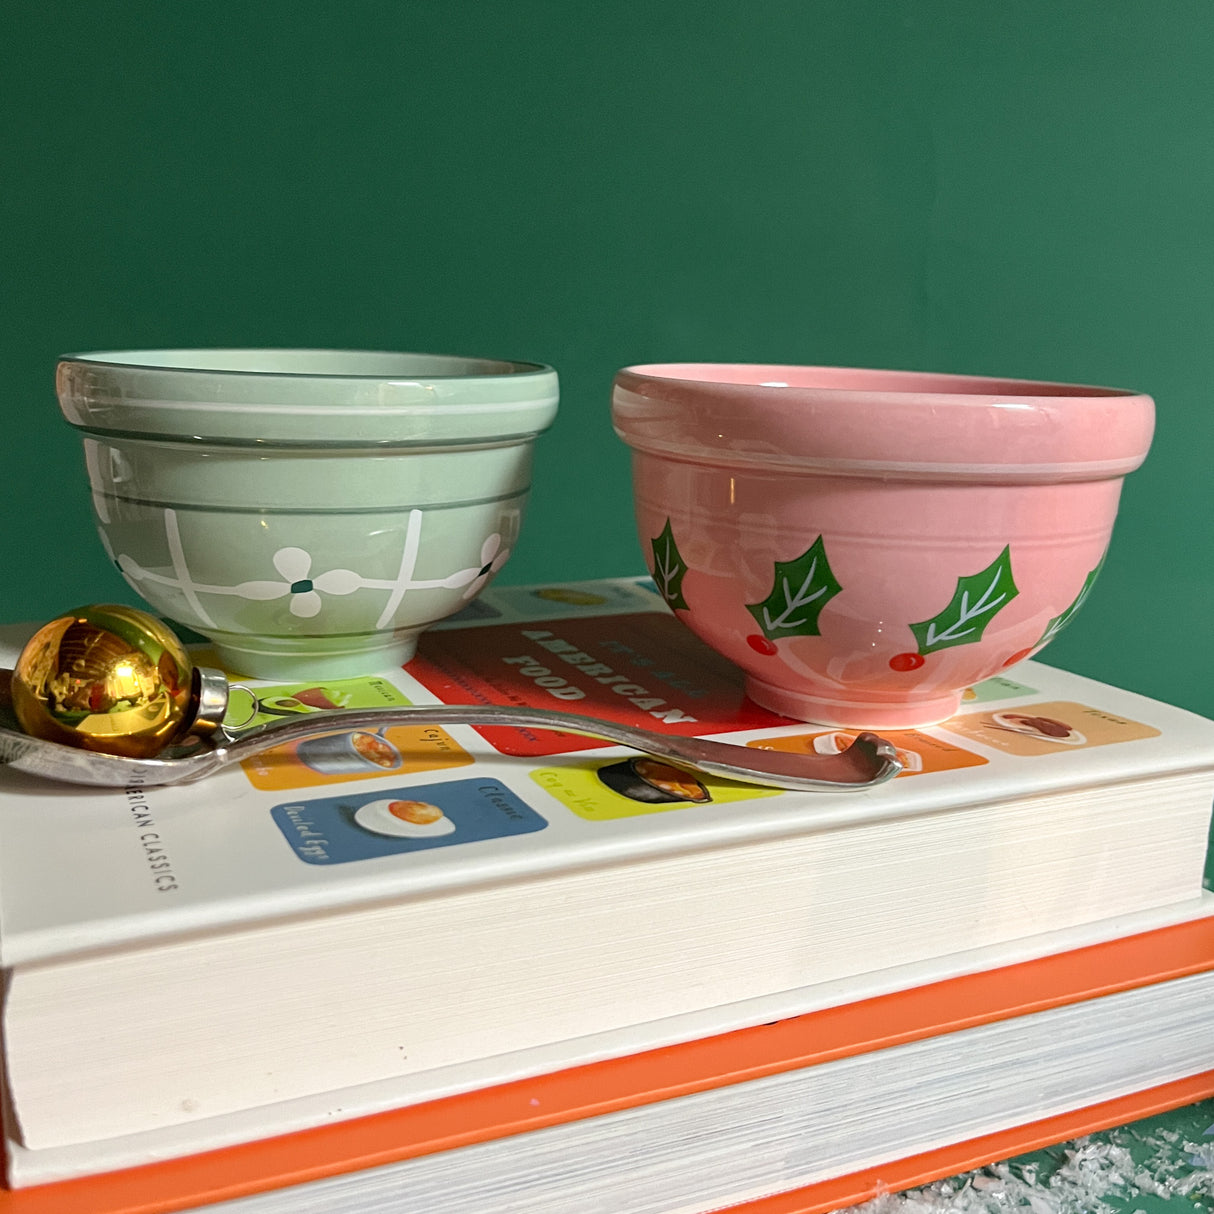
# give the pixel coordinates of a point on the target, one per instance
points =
(735, 1057)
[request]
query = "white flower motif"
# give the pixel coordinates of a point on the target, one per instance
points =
(304, 591)
(294, 566)
(493, 557)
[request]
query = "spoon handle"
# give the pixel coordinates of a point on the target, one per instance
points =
(870, 760)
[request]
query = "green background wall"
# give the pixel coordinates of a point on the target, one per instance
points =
(1020, 188)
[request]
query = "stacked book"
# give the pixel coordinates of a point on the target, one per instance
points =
(470, 969)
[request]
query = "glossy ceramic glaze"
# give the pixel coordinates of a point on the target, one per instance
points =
(867, 544)
(309, 511)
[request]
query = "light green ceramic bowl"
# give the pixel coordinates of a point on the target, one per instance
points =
(309, 511)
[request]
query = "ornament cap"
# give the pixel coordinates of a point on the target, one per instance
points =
(210, 700)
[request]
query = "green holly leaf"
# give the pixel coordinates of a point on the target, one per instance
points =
(800, 590)
(1059, 622)
(669, 568)
(977, 599)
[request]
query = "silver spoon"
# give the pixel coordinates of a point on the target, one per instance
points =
(868, 761)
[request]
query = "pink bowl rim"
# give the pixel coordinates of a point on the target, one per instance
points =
(891, 424)
(868, 381)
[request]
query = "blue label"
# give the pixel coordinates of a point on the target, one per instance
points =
(388, 822)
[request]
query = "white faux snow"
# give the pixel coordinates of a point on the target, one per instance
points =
(1094, 1173)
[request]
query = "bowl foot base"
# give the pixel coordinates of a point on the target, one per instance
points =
(835, 711)
(313, 658)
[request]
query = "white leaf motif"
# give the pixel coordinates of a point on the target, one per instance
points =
(261, 590)
(338, 581)
(306, 605)
(292, 563)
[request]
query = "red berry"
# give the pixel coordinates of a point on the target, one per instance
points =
(761, 644)
(906, 661)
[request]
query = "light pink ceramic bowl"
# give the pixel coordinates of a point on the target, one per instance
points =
(868, 544)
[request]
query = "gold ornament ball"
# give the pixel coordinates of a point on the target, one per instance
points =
(105, 678)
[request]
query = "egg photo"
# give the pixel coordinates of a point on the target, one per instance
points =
(403, 819)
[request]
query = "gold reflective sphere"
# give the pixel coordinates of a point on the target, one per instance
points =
(105, 678)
